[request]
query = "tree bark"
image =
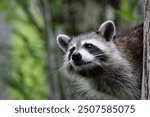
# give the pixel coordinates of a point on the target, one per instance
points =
(50, 47)
(4, 57)
(146, 53)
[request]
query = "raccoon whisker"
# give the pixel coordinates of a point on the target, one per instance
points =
(100, 54)
(101, 66)
(59, 70)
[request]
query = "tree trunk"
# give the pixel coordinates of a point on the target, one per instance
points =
(50, 47)
(146, 53)
(4, 56)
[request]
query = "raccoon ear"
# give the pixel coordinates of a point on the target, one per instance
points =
(63, 41)
(107, 30)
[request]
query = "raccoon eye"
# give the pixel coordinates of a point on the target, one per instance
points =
(90, 46)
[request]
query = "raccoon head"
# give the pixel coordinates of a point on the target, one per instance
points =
(85, 53)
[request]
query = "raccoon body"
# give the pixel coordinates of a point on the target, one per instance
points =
(103, 64)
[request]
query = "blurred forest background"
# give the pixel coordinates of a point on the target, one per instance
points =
(29, 56)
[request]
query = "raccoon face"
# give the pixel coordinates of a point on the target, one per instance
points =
(88, 51)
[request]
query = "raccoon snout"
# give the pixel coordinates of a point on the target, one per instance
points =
(76, 56)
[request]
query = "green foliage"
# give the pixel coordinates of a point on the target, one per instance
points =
(4, 5)
(128, 10)
(28, 60)
(56, 6)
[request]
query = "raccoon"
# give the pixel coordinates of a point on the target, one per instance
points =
(103, 64)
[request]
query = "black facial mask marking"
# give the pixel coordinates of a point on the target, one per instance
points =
(98, 53)
(71, 52)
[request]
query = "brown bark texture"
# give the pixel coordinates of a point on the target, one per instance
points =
(146, 53)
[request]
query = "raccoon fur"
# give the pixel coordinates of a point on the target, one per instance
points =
(103, 64)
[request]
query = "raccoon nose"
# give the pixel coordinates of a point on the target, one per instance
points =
(76, 56)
